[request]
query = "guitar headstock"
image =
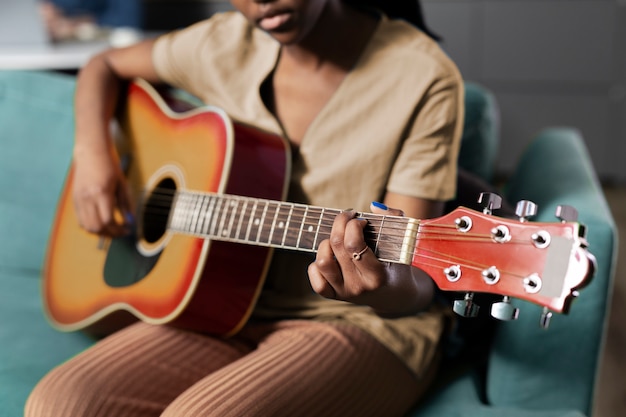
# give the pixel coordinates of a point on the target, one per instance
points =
(473, 252)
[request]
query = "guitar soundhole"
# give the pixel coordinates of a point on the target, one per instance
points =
(157, 210)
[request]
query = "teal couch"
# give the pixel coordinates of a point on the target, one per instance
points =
(526, 372)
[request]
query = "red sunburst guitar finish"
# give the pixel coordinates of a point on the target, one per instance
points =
(166, 278)
(208, 195)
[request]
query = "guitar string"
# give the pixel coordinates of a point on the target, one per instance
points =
(391, 223)
(312, 213)
(389, 226)
(391, 232)
(504, 274)
(307, 212)
(446, 233)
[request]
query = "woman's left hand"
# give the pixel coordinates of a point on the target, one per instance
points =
(346, 269)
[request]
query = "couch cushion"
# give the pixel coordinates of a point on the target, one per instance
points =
(29, 346)
(36, 137)
(460, 399)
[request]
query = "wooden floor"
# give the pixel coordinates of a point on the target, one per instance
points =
(611, 389)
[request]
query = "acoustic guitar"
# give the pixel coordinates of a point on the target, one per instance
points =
(209, 205)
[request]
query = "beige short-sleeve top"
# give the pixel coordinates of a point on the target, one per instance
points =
(394, 125)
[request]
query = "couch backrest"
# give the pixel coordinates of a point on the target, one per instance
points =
(480, 132)
(36, 136)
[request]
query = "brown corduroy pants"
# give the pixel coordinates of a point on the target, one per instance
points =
(289, 368)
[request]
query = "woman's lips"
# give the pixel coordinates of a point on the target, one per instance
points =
(274, 22)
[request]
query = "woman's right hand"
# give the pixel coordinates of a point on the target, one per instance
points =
(101, 195)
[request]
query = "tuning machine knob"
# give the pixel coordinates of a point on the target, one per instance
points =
(566, 213)
(466, 307)
(489, 202)
(504, 310)
(546, 316)
(525, 209)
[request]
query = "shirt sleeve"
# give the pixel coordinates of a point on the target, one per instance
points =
(426, 165)
(173, 55)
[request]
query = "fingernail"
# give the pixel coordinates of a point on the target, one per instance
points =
(379, 205)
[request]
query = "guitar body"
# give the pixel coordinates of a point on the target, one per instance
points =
(159, 276)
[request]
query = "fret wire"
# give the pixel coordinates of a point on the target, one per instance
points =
(273, 224)
(186, 209)
(195, 212)
(215, 215)
(181, 212)
(190, 212)
(378, 234)
(251, 222)
(173, 217)
(260, 230)
(319, 225)
(233, 215)
(241, 217)
(287, 224)
(208, 214)
(283, 222)
(201, 216)
(224, 216)
(306, 210)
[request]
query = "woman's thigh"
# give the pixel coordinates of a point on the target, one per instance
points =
(302, 368)
(135, 372)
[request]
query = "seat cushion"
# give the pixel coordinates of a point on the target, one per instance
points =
(29, 346)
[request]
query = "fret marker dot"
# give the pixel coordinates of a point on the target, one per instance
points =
(257, 222)
(281, 225)
(310, 229)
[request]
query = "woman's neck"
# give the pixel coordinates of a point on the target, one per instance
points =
(338, 39)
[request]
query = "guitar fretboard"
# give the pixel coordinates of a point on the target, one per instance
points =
(284, 225)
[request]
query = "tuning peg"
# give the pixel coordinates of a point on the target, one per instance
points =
(504, 310)
(546, 316)
(466, 307)
(566, 213)
(490, 202)
(525, 209)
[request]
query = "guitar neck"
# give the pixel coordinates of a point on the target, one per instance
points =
(284, 225)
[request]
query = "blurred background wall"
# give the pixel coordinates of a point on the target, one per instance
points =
(549, 62)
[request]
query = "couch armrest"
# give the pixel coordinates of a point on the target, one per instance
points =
(536, 369)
